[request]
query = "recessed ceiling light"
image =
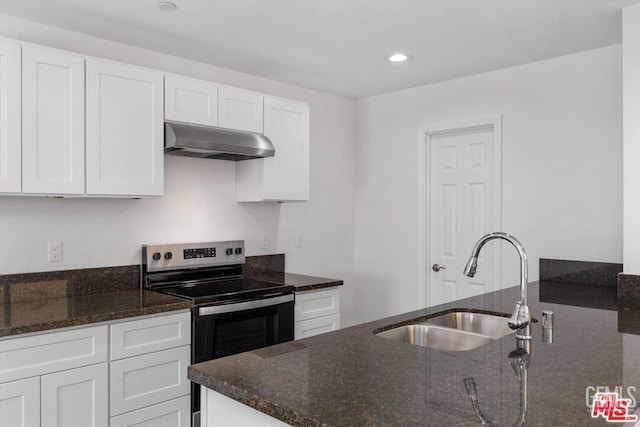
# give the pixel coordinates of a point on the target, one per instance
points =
(399, 57)
(167, 6)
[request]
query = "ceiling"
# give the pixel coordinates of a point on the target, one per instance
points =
(339, 46)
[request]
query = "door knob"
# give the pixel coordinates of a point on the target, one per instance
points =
(436, 267)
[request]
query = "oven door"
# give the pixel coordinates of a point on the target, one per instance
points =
(223, 330)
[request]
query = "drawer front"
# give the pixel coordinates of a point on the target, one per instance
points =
(174, 413)
(51, 352)
(317, 303)
(320, 325)
(149, 379)
(143, 336)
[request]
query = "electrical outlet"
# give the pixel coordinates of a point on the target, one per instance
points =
(299, 239)
(264, 241)
(55, 251)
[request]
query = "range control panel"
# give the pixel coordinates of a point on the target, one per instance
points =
(199, 253)
(189, 255)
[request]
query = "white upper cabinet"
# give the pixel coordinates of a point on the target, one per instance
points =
(125, 138)
(284, 177)
(240, 109)
(52, 122)
(10, 118)
(190, 101)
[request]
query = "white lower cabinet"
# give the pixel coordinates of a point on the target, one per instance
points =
(66, 379)
(316, 312)
(76, 398)
(174, 413)
(20, 403)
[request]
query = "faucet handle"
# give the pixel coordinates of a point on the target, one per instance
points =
(520, 317)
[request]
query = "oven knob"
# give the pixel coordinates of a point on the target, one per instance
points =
(157, 256)
(238, 251)
(168, 255)
(229, 251)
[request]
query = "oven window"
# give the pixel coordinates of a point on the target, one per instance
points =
(236, 335)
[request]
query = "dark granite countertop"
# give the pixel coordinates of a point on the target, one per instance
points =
(271, 268)
(300, 282)
(35, 302)
(350, 377)
(53, 313)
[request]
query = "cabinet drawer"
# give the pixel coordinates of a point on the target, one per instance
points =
(143, 336)
(174, 413)
(317, 303)
(20, 403)
(51, 352)
(320, 325)
(149, 379)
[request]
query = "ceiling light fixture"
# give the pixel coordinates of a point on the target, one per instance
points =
(399, 57)
(167, 6)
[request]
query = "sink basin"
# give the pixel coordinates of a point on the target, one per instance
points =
(495, 327)
(436, 337)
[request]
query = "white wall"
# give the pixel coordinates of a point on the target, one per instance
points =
(562, 179)
(631, 100)
(199, 202)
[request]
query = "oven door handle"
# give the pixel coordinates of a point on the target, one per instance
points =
(230, 308)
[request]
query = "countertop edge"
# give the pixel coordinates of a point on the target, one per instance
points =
(319, 286)
(256, 402)
(15, 331)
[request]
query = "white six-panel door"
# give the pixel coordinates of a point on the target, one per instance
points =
(10, 118)
(52, 122)
(461, 211)
(125, 137)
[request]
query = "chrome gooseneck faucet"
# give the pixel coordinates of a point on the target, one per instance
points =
(521, 318)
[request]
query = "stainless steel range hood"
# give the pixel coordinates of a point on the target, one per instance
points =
(183, 139)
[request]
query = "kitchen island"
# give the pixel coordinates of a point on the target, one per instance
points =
(352, 377)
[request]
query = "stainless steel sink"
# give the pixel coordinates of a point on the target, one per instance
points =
(452, 331)
(436, 337)
(495, 327)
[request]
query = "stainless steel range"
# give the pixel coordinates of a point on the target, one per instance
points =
(231, 313)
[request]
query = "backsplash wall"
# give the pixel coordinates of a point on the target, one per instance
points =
(199, 202)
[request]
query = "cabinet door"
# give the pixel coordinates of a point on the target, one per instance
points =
(76, 398)
(190, 101)
(287, 173)
(124, 130)
(52, 122)
(10, 117)
(284, 177)
(239, 109)
(20, 403)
